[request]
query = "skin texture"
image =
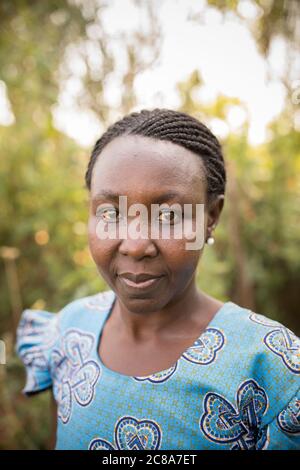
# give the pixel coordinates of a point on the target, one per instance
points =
(148, 332)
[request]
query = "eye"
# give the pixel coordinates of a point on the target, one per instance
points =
(108, 214)
(169, 216)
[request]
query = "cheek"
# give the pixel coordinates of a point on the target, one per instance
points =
(181, 262)
(92, 237)
(101, 250)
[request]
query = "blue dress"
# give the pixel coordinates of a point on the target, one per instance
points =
(236, 387)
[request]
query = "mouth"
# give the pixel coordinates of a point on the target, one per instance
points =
(139, 282)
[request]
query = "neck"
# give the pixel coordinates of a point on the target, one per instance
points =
(171, 318)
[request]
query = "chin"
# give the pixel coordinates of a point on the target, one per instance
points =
(141, 304)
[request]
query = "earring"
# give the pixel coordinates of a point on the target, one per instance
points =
(210, 241)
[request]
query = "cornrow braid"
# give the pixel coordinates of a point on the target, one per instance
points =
(176, 127)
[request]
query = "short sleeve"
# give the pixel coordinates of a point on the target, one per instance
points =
(37, 333)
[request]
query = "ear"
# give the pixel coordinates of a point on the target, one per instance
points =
(214, 210)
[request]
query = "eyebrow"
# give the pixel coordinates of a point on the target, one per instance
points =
(157, 200)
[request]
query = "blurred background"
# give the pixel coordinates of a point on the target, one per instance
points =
(70, 68)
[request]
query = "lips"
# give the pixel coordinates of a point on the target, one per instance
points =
(138, 278)
(141, 281)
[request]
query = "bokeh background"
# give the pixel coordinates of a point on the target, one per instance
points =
(70, 68)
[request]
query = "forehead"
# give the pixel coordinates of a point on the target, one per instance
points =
(145, 167)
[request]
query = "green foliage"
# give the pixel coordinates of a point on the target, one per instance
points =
(25, 421)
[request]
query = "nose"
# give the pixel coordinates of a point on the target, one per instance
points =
(136, 246)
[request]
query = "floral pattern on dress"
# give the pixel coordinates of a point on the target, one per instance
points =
(131, 434)
(158, 377)
(286, 345)
(203, 352)
(74, 373)
(37, 333)
(262, 320)
(101, 302)
(40, 329)
(289, 418)
(281, 341)
(223, 422)
(205, 348)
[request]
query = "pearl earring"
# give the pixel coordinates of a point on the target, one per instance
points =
(210, 241)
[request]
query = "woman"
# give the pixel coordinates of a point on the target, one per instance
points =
(156, 363)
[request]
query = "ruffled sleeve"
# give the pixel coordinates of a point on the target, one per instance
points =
(37, 333)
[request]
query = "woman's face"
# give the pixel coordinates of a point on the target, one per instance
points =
(147, 171)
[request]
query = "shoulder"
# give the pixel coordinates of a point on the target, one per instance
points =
(243, 317)
(37, 324)
(80, 312)
(265, 351)
(39, 332)
(258, 332)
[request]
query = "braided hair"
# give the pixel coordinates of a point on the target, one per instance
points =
(176, 127)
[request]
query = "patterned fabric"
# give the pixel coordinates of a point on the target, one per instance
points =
(236, 387)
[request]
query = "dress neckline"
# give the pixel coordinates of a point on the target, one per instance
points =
(161, 372)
